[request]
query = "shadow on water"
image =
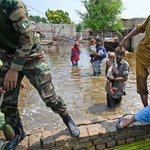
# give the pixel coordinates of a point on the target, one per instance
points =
(83, 93)
(98, 108)
(87, 75)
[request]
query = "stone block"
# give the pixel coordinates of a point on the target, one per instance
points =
(59, 148)
(84, 135)
(139, 132)
(93, 131)
(146, 136)
(111, 144)
(145, 126)
(78, 145)
(67, 146)
(90, 148)
(29, 132)
(138, 138)
(23, 145)
(123, 130)
(41, 129)
(61, 136)
(137, 125)
(48, 139)
(98, 120)
(111, 127)
(123, 136)
(121, 142)
(129, 140)
(130, 127)
(83, 122)
(100, 147)
(103, 130)
(100, 140)
(34, 141)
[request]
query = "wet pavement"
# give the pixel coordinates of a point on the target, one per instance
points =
(83, 93)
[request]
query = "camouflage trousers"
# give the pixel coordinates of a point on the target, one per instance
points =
(40, 77)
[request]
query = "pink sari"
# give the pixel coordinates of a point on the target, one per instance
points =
(75, 53)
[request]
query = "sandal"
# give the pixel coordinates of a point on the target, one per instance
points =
(118, 124)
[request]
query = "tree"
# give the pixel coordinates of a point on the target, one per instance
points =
(72, 22)
(78, 27)
(44, 20)
(38, 18)
(102, 15)
(58, 16)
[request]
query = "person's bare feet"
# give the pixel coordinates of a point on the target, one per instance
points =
(123, 123)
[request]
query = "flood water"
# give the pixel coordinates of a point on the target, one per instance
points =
(83, 93)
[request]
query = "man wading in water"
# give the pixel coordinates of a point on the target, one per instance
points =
(23, 56)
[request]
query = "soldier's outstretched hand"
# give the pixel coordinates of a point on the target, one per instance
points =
(10, 80)
(123, 43)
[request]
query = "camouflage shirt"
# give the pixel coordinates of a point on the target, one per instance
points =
(15, 32)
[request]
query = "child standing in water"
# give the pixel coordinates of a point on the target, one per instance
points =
(112, 69)
(75, 53)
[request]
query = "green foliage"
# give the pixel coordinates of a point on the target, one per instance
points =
(78, 27)
(58, 16)
(102, 15)
(140, 145)
(72, 22)
(44, 20)
(38, 18)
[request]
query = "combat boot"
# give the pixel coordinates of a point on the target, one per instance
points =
(19, 136)
(73, 128)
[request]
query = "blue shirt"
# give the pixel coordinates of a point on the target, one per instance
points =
(104, 53)
(143, 115)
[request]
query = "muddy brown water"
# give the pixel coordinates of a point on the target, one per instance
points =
(83, 93)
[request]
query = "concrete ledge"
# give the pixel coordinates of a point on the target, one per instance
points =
(49, 47)
(97, 134)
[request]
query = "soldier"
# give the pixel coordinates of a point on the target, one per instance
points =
(23, 56)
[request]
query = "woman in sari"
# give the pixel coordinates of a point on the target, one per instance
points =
(75, 53)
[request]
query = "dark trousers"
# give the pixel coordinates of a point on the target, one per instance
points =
(111, 102)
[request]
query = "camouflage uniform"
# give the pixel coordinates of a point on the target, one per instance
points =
(22, 53)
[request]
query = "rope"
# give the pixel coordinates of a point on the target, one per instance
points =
(35, 9)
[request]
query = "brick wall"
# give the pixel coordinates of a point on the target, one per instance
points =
(66, 30)
(96, 134)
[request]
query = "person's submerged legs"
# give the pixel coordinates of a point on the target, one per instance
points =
(110, 102)
(76, 63)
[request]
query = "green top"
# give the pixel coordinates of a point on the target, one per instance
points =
(15, 32)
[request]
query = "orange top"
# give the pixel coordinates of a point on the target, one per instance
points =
(143, 51)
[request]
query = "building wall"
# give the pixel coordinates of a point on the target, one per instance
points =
(140, 36)
(47, 29)
(129, 25)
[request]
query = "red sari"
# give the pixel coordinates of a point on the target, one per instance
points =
(75, 53)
